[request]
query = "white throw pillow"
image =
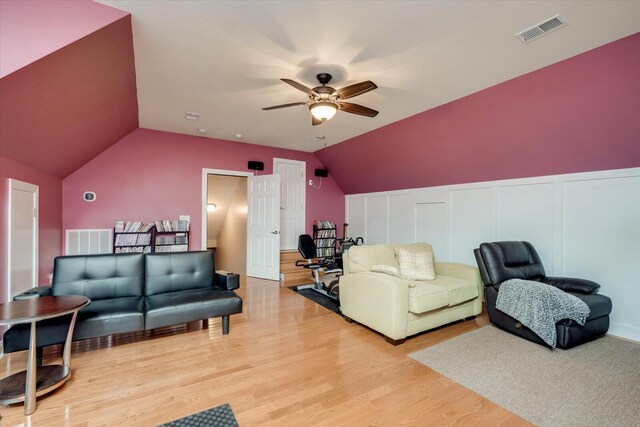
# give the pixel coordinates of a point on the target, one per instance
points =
(416, 265)
(392, 271)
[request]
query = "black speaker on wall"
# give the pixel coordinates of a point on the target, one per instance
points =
(256, 166)
(322, 173)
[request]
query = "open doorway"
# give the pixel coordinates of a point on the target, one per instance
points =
(226, 221)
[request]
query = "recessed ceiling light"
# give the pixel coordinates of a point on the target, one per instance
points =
(239, 135)
(200, 130)
(191, 116)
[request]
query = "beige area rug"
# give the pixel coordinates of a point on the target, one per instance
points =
(595, 384)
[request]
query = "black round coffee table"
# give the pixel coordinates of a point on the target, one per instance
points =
(27, 385)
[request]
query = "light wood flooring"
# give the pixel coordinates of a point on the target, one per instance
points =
(286, 362)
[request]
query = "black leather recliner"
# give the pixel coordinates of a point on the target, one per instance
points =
(501, 261)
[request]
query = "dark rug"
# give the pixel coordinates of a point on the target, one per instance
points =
(318, 298)
(220, 416)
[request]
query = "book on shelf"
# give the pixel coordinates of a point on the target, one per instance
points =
(172, 226)
(133, 227)
(172, 248)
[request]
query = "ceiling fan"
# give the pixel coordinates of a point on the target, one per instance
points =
(325, 101)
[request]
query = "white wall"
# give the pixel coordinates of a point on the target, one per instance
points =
(582, 225)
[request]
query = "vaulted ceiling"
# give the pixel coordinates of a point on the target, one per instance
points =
(224, 59)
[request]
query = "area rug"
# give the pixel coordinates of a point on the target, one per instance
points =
(220, 416)
(318, 298)
(595, 384)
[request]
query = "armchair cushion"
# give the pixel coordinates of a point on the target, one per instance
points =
(444, 291)
(362, 258)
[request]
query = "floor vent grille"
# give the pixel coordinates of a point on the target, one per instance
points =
(88, 242)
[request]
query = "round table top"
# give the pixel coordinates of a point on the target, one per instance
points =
(33, 309)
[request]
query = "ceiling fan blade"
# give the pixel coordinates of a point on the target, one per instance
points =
(348, 107)
(315, 121)
(356, 89)
(300, 87)
(293, 104)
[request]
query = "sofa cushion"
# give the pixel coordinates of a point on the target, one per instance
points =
(442, 292)
(186, 306)
(99, 277)
(171, 272)
(362, 258)
(416, 264)
(426, 296)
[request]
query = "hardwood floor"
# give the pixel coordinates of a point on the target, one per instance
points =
(286, 362)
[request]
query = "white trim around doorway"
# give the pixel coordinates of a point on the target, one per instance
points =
(203, 212)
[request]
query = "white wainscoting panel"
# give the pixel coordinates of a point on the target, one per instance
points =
(602, 243)
(356, 210)
(470, 222)
(432, 226)
(377, 218)
(525, 212)
(401, 218)
(582, 225)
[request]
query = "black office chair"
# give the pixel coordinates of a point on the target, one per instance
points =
(308, 250)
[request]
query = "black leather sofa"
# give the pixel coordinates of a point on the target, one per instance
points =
(501, 261)
(131, 292)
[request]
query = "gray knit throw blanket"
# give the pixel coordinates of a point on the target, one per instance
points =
(539, 306)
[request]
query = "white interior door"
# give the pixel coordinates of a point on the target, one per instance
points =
(292, 204)
(263, 227)
(22, 264)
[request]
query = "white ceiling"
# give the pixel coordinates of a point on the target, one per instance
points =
(224, 59)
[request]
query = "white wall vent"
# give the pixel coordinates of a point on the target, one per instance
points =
(542, 29)
(87, 242)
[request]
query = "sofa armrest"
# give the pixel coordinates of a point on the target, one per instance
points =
(377, 300)
(572, 284)
(227, 280)
(40, 291)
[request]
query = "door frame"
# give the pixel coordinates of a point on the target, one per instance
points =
(203, 204)
(25, 186)
(304, 190)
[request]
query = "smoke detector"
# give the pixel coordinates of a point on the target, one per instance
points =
(542, 29)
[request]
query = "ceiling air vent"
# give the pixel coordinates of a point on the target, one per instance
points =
(542, 29)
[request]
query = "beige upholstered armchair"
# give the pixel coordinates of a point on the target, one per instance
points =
(398, 308)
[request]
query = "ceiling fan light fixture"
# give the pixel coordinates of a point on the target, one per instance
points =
(323, 110)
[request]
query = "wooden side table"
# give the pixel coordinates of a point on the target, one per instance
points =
(27, 385)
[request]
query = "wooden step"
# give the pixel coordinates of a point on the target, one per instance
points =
(293, 274)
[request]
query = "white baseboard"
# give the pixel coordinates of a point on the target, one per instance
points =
(624, 331)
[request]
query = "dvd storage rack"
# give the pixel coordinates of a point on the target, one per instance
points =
(133, 236)
(324, 236)
(171, 236)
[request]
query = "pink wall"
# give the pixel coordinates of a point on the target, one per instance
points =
(152, 175)
(581, 114)
(50, 217)
(30, 30)
(63, 110)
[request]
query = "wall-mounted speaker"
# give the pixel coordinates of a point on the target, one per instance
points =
(322, 173)
(255, 166)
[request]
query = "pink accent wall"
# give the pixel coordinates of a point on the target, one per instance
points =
(581, 114)
(30, 30)
(151, 175)
(50, 218)
(61, 111)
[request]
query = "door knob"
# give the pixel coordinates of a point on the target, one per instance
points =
(275, 232)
